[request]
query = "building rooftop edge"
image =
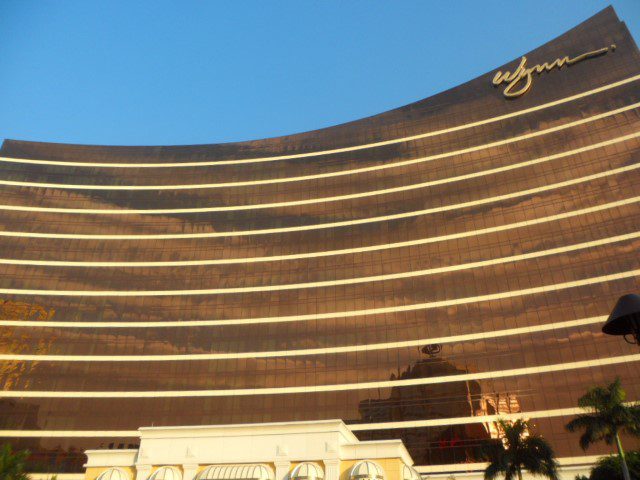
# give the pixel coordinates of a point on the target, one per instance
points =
(244, 425)
(9, 143)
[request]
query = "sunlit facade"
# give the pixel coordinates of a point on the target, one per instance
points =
(416, 274)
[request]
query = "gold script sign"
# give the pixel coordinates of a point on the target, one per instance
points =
(519, 81)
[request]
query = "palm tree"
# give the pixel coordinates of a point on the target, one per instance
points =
(13, 464)
(606, 417)
(519, 450)
(610, 468)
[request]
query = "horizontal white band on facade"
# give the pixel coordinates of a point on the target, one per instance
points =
(357, 170)
(336, 198)
(331, 151)
(356, 427)
(321, 316)
(440, 422)
(321, 226)
(514, 372)
(308, 351)
(68, 433)
(183, 236)
(344, 281)
(326, 253)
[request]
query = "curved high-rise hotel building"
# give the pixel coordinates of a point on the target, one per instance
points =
(417, 274)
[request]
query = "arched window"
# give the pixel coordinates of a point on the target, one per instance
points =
(307, 471)
(366, 470)
(166, 473)
(256, 471)
(114, 474)
(410, 473)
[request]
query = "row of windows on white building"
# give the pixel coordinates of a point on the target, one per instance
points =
(363, 470)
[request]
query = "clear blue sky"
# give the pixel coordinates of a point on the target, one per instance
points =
(183, 72)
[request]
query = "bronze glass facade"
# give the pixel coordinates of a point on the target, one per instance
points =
(411, 273)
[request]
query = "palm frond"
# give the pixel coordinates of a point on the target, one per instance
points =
(511, 473)
(540, 446)
(519, 449)
(492, 471)
(581, 421)
(539, 457)
(596, 432)
(606, 415)
(13, 464)
(595, 398)
(617, 395)
(633, 425)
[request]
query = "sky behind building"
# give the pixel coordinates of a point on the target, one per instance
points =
(159, 72)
